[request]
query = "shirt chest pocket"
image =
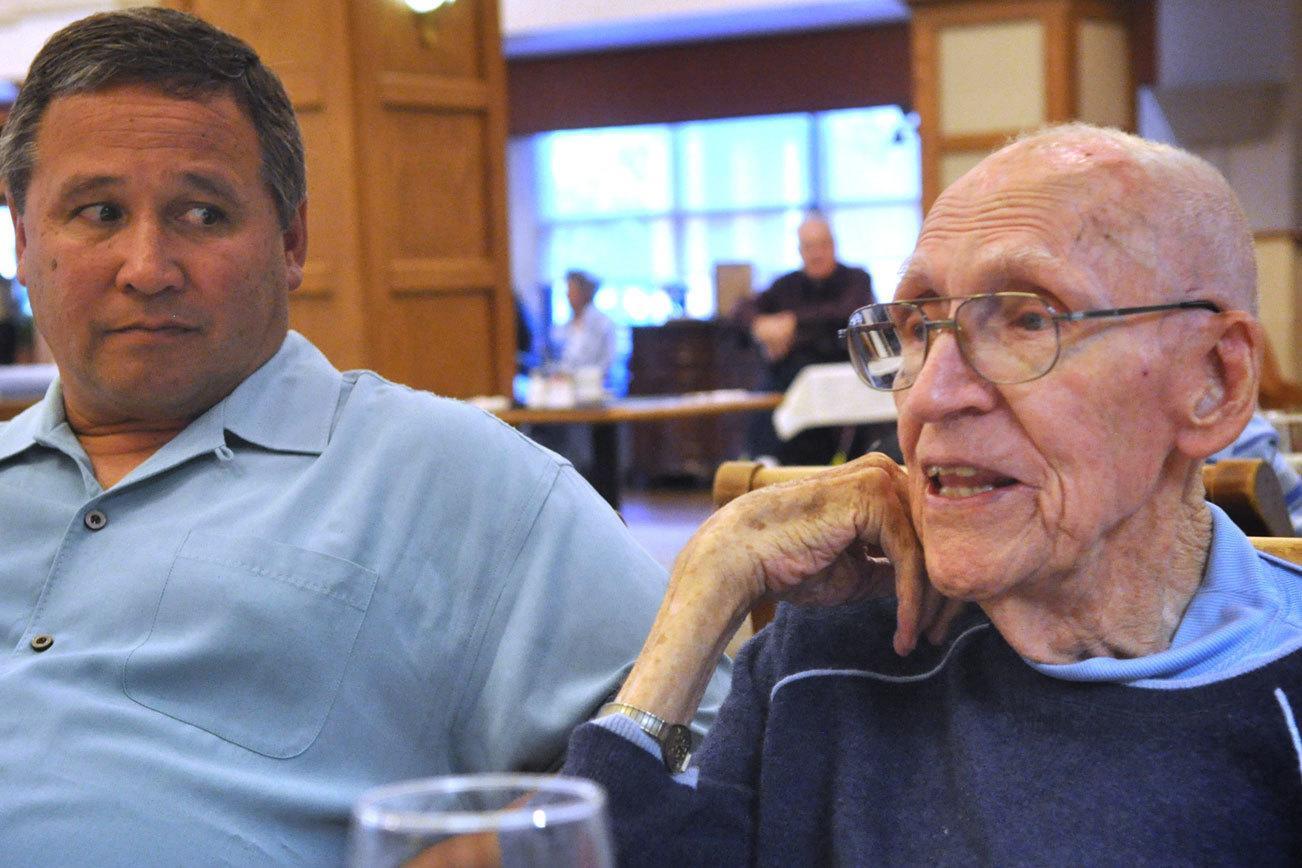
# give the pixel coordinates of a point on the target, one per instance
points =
(251, 641)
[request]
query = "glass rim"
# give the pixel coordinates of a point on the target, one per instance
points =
(589, 800)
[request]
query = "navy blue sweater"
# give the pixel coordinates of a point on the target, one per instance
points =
(831, 750)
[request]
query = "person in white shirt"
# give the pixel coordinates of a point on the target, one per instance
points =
(589, 337)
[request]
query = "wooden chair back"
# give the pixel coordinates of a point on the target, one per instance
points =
(1250, 493)
(1275, 392)
(1246, 488)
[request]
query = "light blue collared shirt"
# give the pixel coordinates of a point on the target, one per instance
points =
(326, 582)
(1246, 613)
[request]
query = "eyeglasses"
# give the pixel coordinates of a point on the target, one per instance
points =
(1007, 337)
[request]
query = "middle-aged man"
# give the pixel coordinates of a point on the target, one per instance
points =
(238, 587)
(1074, 334)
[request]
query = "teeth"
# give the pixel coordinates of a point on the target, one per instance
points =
(951, 471)
(956, 491)
(963, 490)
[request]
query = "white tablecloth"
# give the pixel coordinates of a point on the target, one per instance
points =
(825, 395)
(25, 381)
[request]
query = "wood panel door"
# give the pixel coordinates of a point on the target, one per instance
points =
(404, 119)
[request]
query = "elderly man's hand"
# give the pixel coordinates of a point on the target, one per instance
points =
(775, 332)
(838, 536)
(813, 541)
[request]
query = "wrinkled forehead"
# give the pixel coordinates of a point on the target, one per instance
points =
(1023, 207)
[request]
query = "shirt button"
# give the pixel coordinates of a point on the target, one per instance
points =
(95, 519)
(42, 641)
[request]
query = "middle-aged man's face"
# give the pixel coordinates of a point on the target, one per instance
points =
(817, 249)
(157, 267)
(1036, 474)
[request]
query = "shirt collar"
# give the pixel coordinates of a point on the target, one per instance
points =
(33, 424)
(1221, 624)
(287, 405)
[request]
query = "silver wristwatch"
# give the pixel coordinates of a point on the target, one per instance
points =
(675, 739)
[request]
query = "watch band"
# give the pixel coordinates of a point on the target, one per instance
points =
(675, 739)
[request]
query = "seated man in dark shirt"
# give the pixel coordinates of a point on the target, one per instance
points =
(795, 322)
(1075, 333)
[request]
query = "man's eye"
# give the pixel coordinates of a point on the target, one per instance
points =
(101, 213)
(1031, 321)
(204, 215)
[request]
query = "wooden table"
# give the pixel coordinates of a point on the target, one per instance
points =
(604, 420)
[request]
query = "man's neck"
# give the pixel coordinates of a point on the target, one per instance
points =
(1125, 602)
(116, 450)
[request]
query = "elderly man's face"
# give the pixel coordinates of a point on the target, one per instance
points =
(1016, 485)
(817, 249)
(157, 266)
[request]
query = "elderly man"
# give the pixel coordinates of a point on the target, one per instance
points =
(237, 586)
(795, 322)
(1074, 334)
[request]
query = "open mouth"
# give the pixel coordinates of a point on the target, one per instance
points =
(964, 481)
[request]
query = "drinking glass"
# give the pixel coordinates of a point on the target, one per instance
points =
(477, 821)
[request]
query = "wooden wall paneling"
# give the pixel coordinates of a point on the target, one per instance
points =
(1059, 63)
(1135, 20)
(315, 67)
(930, 18)
(926, 101)
(431, 110)
(404, 119)
(943, 150)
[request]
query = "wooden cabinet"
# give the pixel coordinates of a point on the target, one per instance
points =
(690, 356)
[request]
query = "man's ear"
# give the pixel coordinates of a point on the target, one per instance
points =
(295, 240)
(1220, 396)
(20, 241)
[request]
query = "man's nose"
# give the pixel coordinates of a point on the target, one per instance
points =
(150, 263)
(947, 384)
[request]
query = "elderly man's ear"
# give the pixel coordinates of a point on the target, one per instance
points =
(1219, 394)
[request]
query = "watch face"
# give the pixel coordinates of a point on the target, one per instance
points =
(676, 747)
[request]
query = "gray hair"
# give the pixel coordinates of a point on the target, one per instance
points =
(181, 55)
(585, 281)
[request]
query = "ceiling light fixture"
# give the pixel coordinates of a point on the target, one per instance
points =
(426, 5)
(427, 14)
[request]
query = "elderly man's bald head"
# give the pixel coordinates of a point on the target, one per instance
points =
(1169, 211)
(1017, 483)
(817, 248)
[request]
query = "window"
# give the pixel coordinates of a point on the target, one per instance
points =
(9, 265)
(8, 256)
(650, 209)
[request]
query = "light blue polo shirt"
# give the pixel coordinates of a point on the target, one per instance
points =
(324, 583)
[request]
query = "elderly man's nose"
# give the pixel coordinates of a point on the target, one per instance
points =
(946, 383)
(149, 261)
